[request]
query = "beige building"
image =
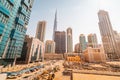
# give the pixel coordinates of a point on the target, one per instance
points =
(33, 50)
(92, 41)
(94, 55)
(40, 31)
(50, 46)
(77, 48)
(69, 40)
(107, 35)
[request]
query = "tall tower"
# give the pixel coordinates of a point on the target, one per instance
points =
(69, 41)
(55, 25)
(40, 31)
(107, 35)
(83, 43)
(92, 41)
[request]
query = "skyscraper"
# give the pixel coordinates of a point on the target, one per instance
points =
(50, 46)
(40, 31)
(60, 41)
(55, 25)
(83, 43)
(14, 17)
(69, 41)
(107, 35)
(92, 41)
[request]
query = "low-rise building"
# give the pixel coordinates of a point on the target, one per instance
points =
(94, 55)
(33, 50)
(54, 56)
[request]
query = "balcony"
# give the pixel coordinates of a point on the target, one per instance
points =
(2, 26)
(20, 21)
(11, 2)
(25, 2)
(4, 10)
(22, 11)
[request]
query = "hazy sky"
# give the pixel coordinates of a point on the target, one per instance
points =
(80, 15)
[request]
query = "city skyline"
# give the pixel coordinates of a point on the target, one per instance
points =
(74, 14)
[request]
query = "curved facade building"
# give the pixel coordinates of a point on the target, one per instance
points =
(69, 41)
(14, 17)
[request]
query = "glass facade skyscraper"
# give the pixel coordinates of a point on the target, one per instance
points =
(83, 43)
(14, 17)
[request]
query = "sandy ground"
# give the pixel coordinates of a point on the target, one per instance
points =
(58, 75)
(77, 76)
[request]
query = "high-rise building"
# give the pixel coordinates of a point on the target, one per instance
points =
(40, 31)
(69, 41)
(55, 25)
(14, 17)
(92, 41)
(60, 42)
(33, 50)
(50, 46)
(107, 35)
(83, 43)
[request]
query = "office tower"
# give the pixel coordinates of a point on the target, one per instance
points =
(14, 17)
(92, 41)
(55, 25)
(50, 46)
(60, 42)
(40, 31)
(69, 41)
(33, 50)
(107, 35)
(83, 43)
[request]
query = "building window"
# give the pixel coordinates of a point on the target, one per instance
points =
(0, 37)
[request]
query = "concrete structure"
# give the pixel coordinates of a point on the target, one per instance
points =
(50, 46)
(83, 43)
(60, 41)
(40, 31)
(77, 48)
(55, 25)
(92, 41)
(108, 37)
(94, 55)
(69, 40)
(54, 56)
(33, 50)
(14, 17)
(71, 55)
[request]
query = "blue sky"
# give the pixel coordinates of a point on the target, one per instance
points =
(80, 15)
